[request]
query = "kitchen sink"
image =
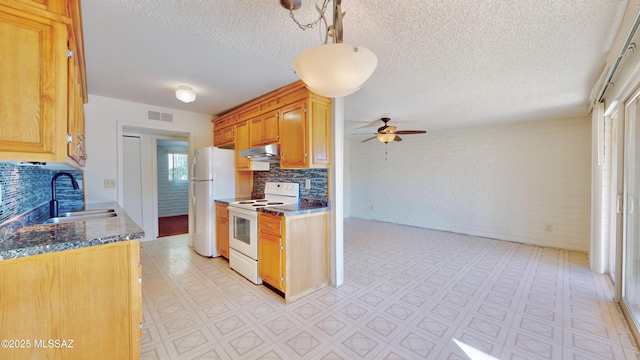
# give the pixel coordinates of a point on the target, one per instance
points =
(87, 212)
(81, 217)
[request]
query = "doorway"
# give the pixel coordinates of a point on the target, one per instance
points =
(140, 194)
(173, 186)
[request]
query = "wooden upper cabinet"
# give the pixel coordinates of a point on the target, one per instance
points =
(293, 147)
(305, 128)
(319, 131)
(34, 86)
(264, 129)
(224, 131)
(75, 110)
(292, 116)
(43, 81)
(241, 143)
(58, 7)
(224, 137)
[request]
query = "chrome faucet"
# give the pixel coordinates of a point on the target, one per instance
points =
(53, 204)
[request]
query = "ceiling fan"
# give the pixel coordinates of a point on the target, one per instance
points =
(388, 133)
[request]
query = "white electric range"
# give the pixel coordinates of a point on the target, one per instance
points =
(243, 226)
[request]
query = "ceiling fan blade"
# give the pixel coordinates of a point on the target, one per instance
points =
(409, 132)
(371, 138)
(397, 138)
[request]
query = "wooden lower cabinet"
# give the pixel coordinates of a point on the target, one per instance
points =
(222, 230)
(74, 304)
(294, 253)
(271, 252)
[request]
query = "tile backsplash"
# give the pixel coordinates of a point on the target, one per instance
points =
(26, 187)
(318, 177)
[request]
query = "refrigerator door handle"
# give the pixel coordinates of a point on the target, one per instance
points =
(193, 167)
(193, 192)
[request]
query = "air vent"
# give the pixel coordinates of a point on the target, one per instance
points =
(166, 117)
(159, 116)
(154, 115)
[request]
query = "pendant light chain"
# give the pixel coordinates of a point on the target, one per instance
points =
(311, 25)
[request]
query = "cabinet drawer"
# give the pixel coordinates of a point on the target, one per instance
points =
(270, 224)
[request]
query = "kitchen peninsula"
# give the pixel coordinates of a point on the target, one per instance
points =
(77, 283)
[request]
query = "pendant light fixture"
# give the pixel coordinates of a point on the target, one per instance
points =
(332, 70)
(185, 94)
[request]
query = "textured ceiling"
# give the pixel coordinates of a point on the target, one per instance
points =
(442, 64)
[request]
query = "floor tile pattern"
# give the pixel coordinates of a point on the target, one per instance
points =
(408, 292)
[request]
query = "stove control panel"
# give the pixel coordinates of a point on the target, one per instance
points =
(285, 189)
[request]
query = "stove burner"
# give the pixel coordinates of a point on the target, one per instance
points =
(245, 202)
(258, 205)
(275, 203)
(260, 200)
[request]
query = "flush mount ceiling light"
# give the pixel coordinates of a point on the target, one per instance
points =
(332, 70)
(185, 94)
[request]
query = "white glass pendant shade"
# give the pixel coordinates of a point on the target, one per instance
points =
(335, 70)
(386, 138)
(185, 94)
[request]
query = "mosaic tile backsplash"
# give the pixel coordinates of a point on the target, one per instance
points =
(318, 177)
(25, 188)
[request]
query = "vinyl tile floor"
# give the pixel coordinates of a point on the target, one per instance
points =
(408, 293)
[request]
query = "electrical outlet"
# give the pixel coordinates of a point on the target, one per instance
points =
(307, 184)
(109, 183)
(0, 194)
(548, 227)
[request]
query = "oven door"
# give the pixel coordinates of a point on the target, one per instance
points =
(243, 231)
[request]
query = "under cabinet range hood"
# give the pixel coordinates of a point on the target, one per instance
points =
(266, 153)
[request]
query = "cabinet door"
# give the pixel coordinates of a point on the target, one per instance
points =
(91, 295)
(270, 260)
(32, 95)
(75, 110)
(224, 137)
(293, 125)
(222, 230)
(264, 129)
(320, 132)
(271, 128)
(56, 7)
(222, 237)
(242, 143)
(255, 131)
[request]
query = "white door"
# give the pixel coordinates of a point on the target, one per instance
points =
(631, 212)
(132, 187)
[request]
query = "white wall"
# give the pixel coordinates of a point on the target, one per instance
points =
(502, 181)
(104, 116)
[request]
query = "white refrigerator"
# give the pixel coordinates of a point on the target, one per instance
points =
(212, 177)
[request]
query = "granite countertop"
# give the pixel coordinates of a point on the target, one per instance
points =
(304, 206)
(45, 238)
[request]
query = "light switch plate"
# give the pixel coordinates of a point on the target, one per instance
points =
(307, 184)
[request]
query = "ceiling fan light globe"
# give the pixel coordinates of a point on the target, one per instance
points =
(335, 70)
(386, 138)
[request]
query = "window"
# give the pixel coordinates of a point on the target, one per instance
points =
(178, 167)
